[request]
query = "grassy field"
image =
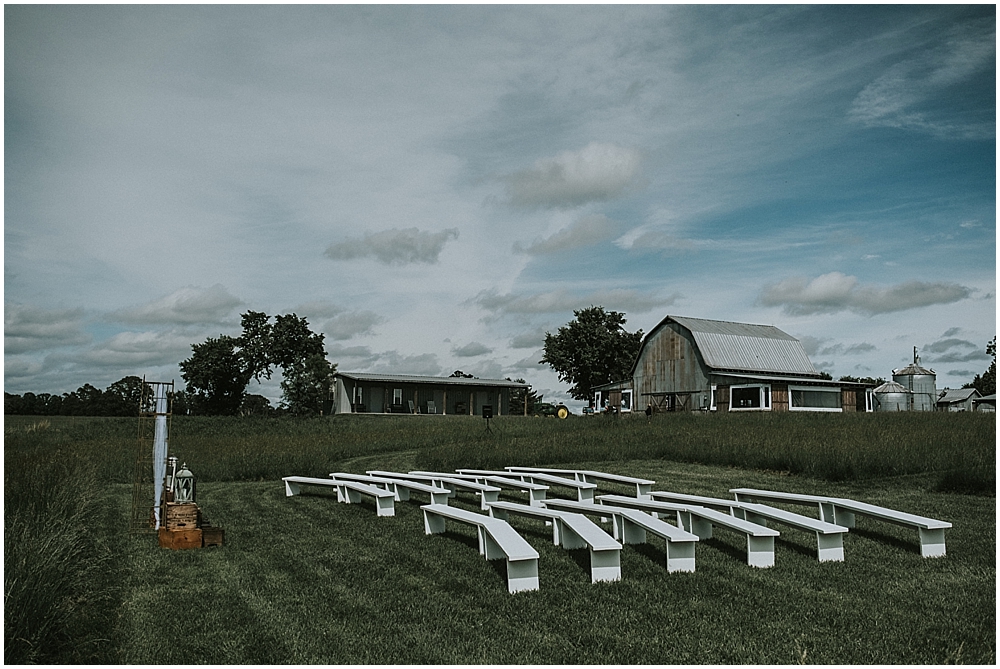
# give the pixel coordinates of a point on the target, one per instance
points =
(308, 580)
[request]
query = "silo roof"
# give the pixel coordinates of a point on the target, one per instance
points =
(745, 347)
(913, 369)
(890, 387)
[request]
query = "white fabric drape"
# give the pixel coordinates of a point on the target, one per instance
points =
(159, 448)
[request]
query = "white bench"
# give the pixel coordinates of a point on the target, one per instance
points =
(573, 530)
(700, 520)
(487, 493)
(642, 486)
(401, 488)
(497, 540)
(536, 491)
(348, 492)
(584, 491)
(829, 537)
(630, 527)
(841, 511)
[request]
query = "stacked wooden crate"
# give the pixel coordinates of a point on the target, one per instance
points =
(184, 527)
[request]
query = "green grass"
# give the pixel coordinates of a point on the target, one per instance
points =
(308, 580)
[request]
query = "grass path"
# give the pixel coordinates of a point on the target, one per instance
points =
(307, 580)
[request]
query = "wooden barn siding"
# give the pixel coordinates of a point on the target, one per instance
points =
(779, 397)
(670, 363)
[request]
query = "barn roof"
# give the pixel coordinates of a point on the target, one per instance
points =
(434, 380)
(728, 346)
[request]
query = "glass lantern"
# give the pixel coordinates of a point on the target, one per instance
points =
(184, 486)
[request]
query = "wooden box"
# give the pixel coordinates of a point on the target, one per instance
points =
(181, 516)
(212, 536)
(180, 539)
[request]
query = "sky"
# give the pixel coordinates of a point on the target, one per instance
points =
(436, 187)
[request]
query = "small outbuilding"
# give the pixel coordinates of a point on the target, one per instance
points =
(987, 403)
(365, 392)
(959, 399)
(694, 364)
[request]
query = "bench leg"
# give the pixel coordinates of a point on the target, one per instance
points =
(536, 497)
(680, 556)
(433, 523)
(830, 547)
(844, 518)
(630, 533)
(348, 496)
(760, 551)
(828, 512)
(498, 513)
(565, 535)
(700, 527)
(439, 498)
(605, 565)
(486, 497)
(642, 491)
(585, 495)
(402, 494)
(291, 489)
(931, 543)
(752, 517)
(522, 575)
(385, 506)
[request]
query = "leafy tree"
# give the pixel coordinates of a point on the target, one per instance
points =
(123, 396)
(459, 374)
(306, 386)
(591, 350)
(216, 377)
(986, 383)
(255, 405)
(518, 397)
(867, 380)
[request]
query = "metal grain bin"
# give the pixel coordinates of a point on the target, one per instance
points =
(891, 396)
(921, 382)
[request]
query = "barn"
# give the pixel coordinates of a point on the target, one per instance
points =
(693, 364)
(363, 392)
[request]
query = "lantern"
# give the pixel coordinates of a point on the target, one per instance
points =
(184, 485)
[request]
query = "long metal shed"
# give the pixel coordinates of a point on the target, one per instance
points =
(369, 392)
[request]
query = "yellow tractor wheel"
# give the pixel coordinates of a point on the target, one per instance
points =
(563, 412)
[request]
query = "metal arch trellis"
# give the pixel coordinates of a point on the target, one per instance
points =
(143, 519)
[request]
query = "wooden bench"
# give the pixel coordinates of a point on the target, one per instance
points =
(487, 493)
(497, 540)
(642, 486)
(829, 537)
(401, 488)
(573, 530)
(700, 520)
(584, 491)
(536, 491)
(348, 492)
(841, 511)
(631, 527)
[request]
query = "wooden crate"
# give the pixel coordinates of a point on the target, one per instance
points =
(212, 536)
(180, 539)
(181, 516)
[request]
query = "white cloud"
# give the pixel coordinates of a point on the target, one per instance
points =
(137, 350)
(616, 299)
(394, 247)
(657, 241)
(186, 306)
(471, 350)
(835, 292)
(532, 339)
(351, 324)
(28, 328)
(597, 172)
(585, 231)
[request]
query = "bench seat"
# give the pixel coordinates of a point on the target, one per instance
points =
(700, 520)
(497, 540)
(630, 527)
(829, 537)
(536, 491)
(401, 488)
(584, 491)
(642, 486)
(573, 530)
(841, 511)
(486, 493)
(348, 492)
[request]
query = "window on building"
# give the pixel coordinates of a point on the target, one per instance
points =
(711, 406)
(597, 401)
(358, 395)
(750, 398)
(397, 395)
(626, 401)
(805, 398)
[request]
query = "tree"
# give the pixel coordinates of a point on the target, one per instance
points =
(986, 383)
(518, 397)
(867, 380)
(306, 386)
(591, 350)
(123, 396)
(216, 377)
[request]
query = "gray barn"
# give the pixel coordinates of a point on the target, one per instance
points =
(362, 392)
(690, 364)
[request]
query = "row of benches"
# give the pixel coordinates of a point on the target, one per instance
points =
(633, 517)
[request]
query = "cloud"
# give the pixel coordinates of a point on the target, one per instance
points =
(964, 373)
(531, 362)
(471, 350)
(351, 324)
(532, 339)
(187, 306)
(28, 328)
(657, 241)
(586, 231)
(131, 350)
(951, 350)
(617, 299)
(818, 346)
(394, 247)
(595, 173)
(392, 362)
(835, 292)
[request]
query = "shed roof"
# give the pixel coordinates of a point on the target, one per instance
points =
(434, 380)
(950, 395)
(743, 347)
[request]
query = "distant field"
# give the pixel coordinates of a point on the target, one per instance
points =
(308, 580)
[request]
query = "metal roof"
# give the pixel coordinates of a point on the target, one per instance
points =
(744, 347)
(891, 387)
(957, 394)
(913, 369)
(435, 380)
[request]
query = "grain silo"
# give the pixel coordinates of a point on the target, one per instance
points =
(890, 396)
(921, 382)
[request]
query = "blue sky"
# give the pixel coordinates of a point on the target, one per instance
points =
(436, 187)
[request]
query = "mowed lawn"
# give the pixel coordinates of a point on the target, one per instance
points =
(308, 580)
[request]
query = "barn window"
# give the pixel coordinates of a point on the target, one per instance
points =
(597, 401)
(711, 406)
(626, 401)
(397, 395)
(806, 398)
(750, 398)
